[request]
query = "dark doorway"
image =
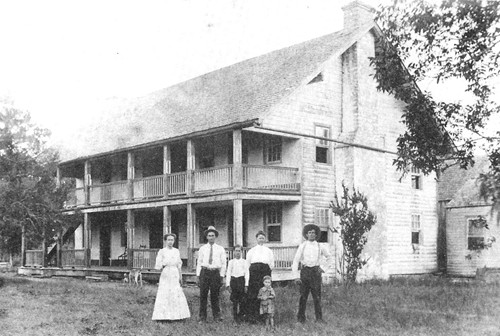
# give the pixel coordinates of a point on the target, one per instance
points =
(105, 244)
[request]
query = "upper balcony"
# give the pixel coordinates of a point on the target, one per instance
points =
(244, 161)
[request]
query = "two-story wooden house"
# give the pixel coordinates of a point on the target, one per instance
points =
(259, 145)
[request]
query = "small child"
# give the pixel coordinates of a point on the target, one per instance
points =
(266, 297)
(235, 282)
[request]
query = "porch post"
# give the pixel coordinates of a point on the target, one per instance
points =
(130, 237)
(167, 222)
(87, 180)
(190, 167)
(130, 174)
(238, 221)
(166, 169)
(87, 238)
(23, 245)
(191, 220)
(237, 160)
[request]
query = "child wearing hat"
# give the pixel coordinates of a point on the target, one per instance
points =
(266, 297)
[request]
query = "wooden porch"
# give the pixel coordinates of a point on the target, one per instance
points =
(74, 262)
(249, 177)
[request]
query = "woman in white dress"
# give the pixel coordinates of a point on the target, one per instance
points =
(171, 303)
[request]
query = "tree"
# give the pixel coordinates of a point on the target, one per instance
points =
(29, 197)
(355, 222)
(440, 41)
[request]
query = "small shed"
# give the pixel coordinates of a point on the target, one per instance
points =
(472, 227)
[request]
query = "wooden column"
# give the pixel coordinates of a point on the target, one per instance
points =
(23, 245)
(167, 222)
(238, 221)
(191, 220)
(130, 237)
(87, 181)
(190, 167)
(237, 160)
(130, 174)
(87, 240)
(166, 169)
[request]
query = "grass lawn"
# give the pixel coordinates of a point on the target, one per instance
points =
(428, 306)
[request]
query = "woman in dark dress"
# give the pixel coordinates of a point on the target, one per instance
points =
(260, 261)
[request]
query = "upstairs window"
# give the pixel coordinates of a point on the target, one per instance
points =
(322, 219)
(273, 215)
(416, 178)
(416, 231)
(272, 149)
(322, 145)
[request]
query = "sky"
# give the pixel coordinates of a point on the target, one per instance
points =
(63, 60)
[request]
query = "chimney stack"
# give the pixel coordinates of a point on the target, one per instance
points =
(357, 13)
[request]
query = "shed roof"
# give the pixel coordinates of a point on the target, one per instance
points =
(234, 94)
(459, 186)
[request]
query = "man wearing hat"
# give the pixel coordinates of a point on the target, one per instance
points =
(210, 271)
(309, 255)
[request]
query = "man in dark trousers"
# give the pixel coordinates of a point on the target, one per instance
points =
(309, 256)
(210, 271)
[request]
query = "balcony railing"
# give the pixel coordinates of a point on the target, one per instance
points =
(177, 183)
(205, 180)
(109, 192)
(34, 258)
(148, 187)
(267, 177)
(72, 258)
(76, 197)
(145, 258)
(215, 178)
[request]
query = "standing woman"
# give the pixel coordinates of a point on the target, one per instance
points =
(171, 303)
(260, 261)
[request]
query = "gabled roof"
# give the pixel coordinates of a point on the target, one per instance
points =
(459, 186)
(234, 94)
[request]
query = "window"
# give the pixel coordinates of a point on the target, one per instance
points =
(475, 233)
(318, 78)
(272, 149)
(416, 231)
(322, 219)
(272, 219)
(416, 178)
(322, 146)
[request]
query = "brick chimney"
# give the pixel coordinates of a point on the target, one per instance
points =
(357, 13)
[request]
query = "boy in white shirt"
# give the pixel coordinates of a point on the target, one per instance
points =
(235, 282)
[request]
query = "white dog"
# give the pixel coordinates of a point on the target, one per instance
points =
(134, 277)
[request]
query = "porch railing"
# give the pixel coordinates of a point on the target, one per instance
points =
(145, 258)
(148, 187)
(109, 192)
(177, 183)
(215, 178)
(34, 258)
(70, 258)
(267, 177)
(283, 255)
(76, 197)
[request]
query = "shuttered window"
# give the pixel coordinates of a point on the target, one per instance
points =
(416, 230)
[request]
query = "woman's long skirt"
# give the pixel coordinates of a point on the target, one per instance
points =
(257, 273)
(171, 303)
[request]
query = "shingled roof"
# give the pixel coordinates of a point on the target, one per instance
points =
(459, 186)
(234, 94)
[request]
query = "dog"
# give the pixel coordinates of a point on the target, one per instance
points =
(134, 277)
